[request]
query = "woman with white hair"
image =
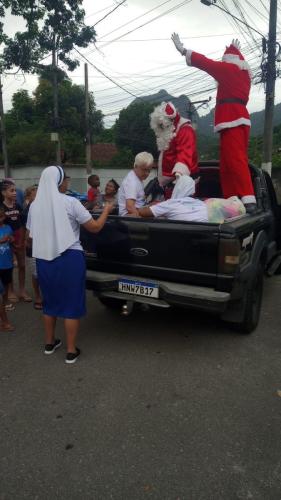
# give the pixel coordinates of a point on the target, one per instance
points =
(53, 223)
(181, 206)
(131, 194)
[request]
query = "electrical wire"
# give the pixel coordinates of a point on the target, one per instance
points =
(135, 18)
(110, 12)
(169, 11)
(106, 76)
(99, 11)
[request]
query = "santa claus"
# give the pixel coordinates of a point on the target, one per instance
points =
(176, 143)
(232, 119)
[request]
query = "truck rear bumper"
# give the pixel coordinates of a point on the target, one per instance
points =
(177, 294)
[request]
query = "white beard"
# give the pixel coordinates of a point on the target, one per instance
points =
(164, 137)
(162, 126)
(164, 130)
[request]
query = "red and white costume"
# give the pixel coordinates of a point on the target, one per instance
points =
(176, 141)
(232, 119)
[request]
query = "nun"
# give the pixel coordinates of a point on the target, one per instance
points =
(181, 206)
(53, 223)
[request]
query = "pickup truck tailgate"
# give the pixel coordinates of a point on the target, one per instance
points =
(183, 252)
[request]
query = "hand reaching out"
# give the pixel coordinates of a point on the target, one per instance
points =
(109, 206)
(178, 44)
(235, 42)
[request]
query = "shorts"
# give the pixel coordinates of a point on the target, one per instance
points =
(6, 276)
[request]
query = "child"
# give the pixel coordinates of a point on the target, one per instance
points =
(6, 268)
(13, 214)
(29, 196)
(5, 326)
(93, 192)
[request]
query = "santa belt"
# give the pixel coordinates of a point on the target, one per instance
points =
(231, 100)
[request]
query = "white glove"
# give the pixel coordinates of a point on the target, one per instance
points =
(235, 42)
(178, 44)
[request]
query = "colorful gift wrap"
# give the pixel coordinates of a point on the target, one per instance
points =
(220, 209)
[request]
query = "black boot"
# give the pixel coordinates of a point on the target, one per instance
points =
(251, 208)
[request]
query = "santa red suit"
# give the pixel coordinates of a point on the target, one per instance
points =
(176, 141)
(232, 119)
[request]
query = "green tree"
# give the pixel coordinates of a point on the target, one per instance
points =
(71, 101)
(32, 148)
(55, 28)
(22, 108)
(133, 130)
(106, 135)
(33, 116)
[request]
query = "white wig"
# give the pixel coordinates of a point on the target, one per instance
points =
(143, 158)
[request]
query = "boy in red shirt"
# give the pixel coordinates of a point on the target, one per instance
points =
(93, 192)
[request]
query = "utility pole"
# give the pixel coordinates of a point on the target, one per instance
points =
(270, 89)
(56, 103)
(3, 135)
(87, 122)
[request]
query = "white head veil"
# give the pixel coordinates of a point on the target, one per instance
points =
(185, 186)
(50, 228)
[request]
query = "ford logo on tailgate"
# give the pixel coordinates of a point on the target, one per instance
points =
(139, 252)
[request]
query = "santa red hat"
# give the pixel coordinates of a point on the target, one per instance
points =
(232, 52)
(169, 110)
(233, 55)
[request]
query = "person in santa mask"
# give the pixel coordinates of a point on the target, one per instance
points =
(232, 119)
(176, 142)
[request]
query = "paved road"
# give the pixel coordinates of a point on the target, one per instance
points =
(159, 406)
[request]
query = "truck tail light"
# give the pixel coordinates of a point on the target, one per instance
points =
(229, 255)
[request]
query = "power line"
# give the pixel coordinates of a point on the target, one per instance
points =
(239, 20)
(99, 11)
(135, 18)
(168, 39)
(110, 12)
(107, 77)
(145, 24)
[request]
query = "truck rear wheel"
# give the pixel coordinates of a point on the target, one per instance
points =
(252, 303)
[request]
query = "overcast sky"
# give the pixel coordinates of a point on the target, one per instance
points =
(134, 50)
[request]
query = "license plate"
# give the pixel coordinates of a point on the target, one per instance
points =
(138, 288)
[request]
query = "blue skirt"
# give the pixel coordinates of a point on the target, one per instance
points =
(62, 282)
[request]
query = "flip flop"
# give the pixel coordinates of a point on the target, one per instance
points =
(7, 328)
(38, 305)
(9, 307)
(13, 298)
(25, 298)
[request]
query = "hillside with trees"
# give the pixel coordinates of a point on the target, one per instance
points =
(30, 122)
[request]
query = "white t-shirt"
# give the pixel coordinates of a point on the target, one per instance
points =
(185, 209)
(77, 215)
(130, 189)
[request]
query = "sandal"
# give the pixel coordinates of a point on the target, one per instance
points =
(7, 327)
(13, 298)
(25, 298)
(38, 305)
(9, 307)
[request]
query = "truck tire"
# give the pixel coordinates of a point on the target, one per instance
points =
(252, 303)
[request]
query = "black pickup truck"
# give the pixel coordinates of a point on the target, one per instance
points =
(205, 266)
